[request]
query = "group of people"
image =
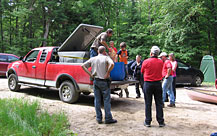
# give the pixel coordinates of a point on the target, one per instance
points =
(150, 73)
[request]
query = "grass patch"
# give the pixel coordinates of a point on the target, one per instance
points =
(21, 118)
(209, 83)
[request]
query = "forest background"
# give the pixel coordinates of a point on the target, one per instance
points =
(187, 28)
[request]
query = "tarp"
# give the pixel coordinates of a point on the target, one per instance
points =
(207, 66)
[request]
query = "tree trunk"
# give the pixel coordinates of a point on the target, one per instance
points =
(30, 31)
(1, 21)
(149, 15)
(10, 33)
(47, 26)
(214, 26)
(17, 24)
(209, 41)
(104, 11)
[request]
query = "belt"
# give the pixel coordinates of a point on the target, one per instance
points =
(153, 81)
(98, 79)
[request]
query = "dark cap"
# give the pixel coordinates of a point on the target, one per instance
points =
(109, 30)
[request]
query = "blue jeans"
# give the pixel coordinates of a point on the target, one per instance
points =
(93, 52)
(174, 87)
(151, 89)
(168, 87)
(102, 90)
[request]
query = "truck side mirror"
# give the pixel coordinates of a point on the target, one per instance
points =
(21, 58)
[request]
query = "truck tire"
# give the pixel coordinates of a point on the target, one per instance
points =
(13, 83)
(67, 92)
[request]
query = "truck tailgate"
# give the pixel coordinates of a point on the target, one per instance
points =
(129, 81)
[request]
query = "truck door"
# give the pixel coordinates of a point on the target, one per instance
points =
(41, 67)
(26, 71)
(4, 64)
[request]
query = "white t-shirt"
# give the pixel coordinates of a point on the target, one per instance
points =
(99, 65)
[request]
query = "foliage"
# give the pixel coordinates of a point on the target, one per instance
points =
(19, 117)
(187, 28)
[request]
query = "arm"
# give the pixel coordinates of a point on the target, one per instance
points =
(119, 54)
(110, 67)
(169, 70)
(127, 54)
(175, 66)
(87, 71)
(143, 68)
(105, 44)
(85, 68)
(103, 40)
(133, 66)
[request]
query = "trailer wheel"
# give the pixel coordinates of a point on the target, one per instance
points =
(13, 83)
(86, 93)
(67, 92)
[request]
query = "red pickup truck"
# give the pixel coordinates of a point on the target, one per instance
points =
(60, 67)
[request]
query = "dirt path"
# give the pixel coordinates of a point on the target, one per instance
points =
(189, 118)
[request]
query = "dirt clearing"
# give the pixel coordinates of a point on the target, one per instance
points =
(189, 118)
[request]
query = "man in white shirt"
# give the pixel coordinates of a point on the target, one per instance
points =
(101, 67)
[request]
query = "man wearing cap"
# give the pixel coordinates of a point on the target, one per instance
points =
(168, 79)
(101, 67)
(100, 41)
(152, 73)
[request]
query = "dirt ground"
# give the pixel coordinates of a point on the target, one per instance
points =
(189, 118)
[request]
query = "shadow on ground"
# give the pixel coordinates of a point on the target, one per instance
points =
(118, 104)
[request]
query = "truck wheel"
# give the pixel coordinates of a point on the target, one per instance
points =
(67, 92)
(13, 83)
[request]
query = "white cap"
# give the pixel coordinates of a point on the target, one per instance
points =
(163, 54)
(155, 50)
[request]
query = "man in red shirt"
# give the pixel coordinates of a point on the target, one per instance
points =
(152, 73)
(168, 79)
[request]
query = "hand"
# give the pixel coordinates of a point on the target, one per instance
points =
(107, 75)
(92, 76)
(166, 76)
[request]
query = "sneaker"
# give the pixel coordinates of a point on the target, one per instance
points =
(162, 125)
(111, 121)
(99, 121)
(147, 124)
(171, 105)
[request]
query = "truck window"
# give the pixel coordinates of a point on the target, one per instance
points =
(54, 56)
(43, 56)
(3, 58)
(32, 56)
(12, 58)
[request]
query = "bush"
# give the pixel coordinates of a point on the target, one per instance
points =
(21, 118)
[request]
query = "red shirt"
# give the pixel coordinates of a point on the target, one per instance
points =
(115, 49)
(152, 69)
(166, 66)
